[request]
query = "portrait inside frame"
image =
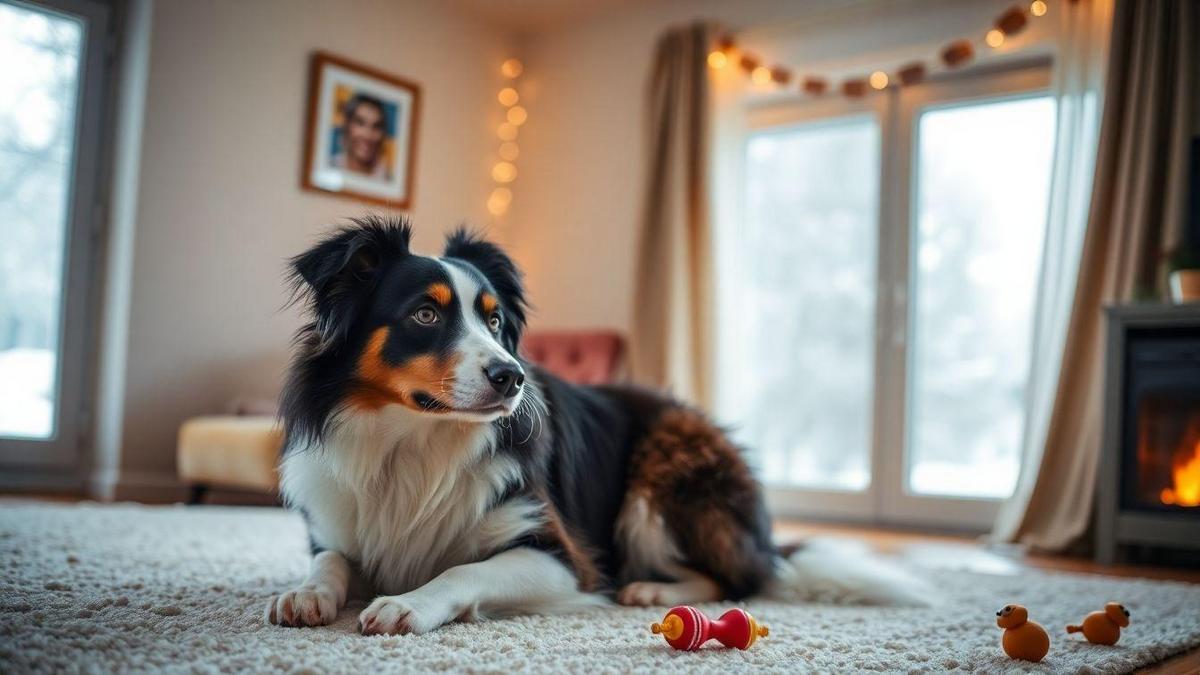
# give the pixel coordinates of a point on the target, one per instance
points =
(361, 136)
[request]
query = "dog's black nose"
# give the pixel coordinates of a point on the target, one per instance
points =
(506, 378)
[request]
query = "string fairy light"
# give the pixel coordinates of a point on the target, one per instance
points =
(516, 116)
(512, 68)
(955, 54)
(504, 171)
(507, 131)
(499, 201)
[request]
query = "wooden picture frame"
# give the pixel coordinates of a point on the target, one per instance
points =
(361, 132)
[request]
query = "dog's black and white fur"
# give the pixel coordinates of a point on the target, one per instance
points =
(439, 470)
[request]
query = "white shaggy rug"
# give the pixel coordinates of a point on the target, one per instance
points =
(94, 588)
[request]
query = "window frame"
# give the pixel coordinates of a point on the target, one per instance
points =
(899, 504)
(62, 453)
(886, 499)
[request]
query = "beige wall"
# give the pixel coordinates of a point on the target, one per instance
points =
(218, 204)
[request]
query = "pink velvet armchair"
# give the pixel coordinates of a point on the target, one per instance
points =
(580, 357)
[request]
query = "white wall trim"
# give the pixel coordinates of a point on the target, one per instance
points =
(133, 70)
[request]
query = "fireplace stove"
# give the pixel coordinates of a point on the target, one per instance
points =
(1148, 493)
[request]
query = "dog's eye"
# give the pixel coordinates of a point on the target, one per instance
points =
(494, 323)
(426, 316)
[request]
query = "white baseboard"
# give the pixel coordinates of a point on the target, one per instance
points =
(102, 484)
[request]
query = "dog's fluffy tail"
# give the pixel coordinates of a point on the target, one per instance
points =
(833, 572)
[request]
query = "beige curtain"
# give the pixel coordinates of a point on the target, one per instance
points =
(671, 345)
(1136, 212)
(1080, 58)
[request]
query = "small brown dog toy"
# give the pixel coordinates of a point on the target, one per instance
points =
(1023, 639)
(1103, 628)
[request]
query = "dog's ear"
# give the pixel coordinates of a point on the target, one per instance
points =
(333, 279)
(503, 274)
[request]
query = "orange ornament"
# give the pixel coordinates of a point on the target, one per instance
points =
(1023, 639)
(1103, 628)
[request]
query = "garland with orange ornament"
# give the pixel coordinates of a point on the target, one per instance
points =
(954, 55)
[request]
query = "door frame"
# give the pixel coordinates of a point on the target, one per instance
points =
(62, 452)
(896, 504)
(886, 500)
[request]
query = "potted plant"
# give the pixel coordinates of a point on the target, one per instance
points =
(1183, 268)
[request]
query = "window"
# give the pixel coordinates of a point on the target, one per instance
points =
(809, 300)
(49, 128)
(978, 247)
(887, 255)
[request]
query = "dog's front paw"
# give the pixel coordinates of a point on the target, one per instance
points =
(403, 614)
(303, 606)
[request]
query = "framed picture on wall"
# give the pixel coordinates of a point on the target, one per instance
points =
(361, 139)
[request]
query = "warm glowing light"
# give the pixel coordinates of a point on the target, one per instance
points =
(995, 37)
(508, 96)
(1186, 479)
(717, 59)
(512, 68)
(1038, 8)
(507, 132)
(879, 80)
(509, 151)
(499, 201)
(504, 172)
(517, 115)
(760, 75)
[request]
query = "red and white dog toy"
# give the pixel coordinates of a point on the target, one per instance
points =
(685, 628)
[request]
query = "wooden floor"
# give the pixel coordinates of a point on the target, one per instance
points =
(972, 553)
(973, 550)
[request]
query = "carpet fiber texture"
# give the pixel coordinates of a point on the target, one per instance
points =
(98, 588)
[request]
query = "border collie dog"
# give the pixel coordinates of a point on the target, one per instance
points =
(450, 479)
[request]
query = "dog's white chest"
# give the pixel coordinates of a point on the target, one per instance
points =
(405, 507)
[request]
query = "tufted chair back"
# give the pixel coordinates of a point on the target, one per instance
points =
(580, 357)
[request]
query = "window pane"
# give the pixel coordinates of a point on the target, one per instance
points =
(806, 304)
(37, 125)
(983, 182)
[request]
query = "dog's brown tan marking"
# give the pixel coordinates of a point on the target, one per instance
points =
(440, 293)
(381, 383)
(488, 302)
(576, 555)
(696, 479)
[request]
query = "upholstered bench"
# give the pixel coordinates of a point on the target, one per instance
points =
(229, 452)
